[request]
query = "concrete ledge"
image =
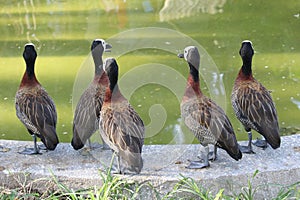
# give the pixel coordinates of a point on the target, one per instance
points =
(163, 165)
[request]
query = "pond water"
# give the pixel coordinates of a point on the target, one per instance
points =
(146, 36)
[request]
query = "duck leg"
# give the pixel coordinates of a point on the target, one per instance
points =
(90, 145)
(213, 155)
(104, 145)
(202, 163)
(42, 147)
(116, 169)
(31, 151)
(248, 148)
(261, 143)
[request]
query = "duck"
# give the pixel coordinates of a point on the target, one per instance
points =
(253, 104)
(87, 112)
(35, 108)
(120, 125)
(204, 118)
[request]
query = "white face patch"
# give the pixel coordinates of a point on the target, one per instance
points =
(105, 61)
(103, 43)
(249, 42)
(187, 50)
(29, 44)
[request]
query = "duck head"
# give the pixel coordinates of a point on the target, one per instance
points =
(192, 56)
(246, 51)
(29, 54)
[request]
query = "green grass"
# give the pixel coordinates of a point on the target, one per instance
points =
(115, 187)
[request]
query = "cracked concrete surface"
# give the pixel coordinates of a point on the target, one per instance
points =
(163, 165)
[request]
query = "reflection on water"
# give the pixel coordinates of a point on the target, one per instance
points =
(63, 31)
(176, 9)
(29, 22)
(296, 102)
(217, 80)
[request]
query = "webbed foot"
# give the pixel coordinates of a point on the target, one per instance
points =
(93, 146)
(85, 151)
(42, 147)
(212, 156)
(105, 146)
(246, 149)
(115, 170)
(261, 143)
(199, 164)
(30, 151)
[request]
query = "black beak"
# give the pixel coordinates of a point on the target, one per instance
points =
(180, 55)
(108, 47)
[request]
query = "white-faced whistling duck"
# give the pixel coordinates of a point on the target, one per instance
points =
(253, 104)
(86, 116)
(120, 125)
(34, 107)
(204, 117)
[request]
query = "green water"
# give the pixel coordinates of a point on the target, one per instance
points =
(63, 30)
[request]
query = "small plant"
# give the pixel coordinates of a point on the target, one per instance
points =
(62, 191)
(248, 192)
(188, 185)
(289, 192)
(23, 191)
(115, 187)
(8, 194)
